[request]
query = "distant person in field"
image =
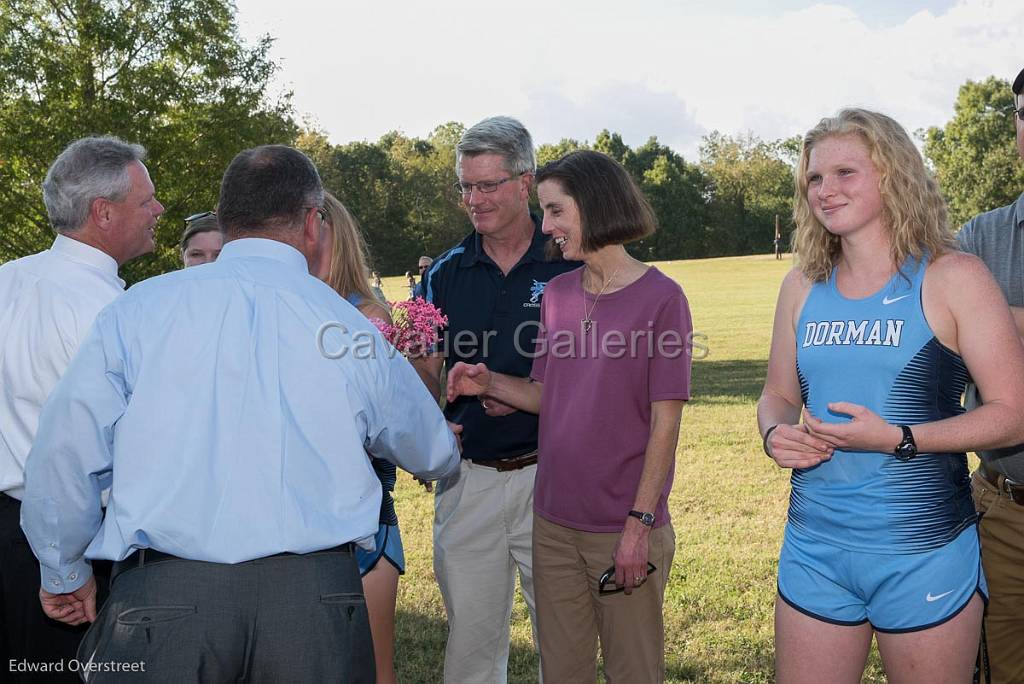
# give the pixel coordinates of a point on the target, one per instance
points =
(778, 246)
(997, 237)
(411, 284)
(377, 287)
(491, 287)
(201, 240)
(343, 267)
(610, 414)
(423, 265)
(876, 331)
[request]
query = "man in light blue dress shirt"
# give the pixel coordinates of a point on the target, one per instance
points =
(235, 448)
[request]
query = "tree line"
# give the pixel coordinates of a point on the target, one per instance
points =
(401, 190)
(176, 76)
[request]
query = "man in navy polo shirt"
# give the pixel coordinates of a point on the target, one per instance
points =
(490, 286)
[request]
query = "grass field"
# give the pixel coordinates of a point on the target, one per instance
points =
(728, 504)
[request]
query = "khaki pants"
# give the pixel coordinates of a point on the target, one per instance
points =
(572, 614)
(483, 521)
(1002, 556)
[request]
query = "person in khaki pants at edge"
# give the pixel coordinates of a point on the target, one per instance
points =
(997, 237)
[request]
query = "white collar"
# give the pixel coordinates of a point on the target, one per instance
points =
(87, 254)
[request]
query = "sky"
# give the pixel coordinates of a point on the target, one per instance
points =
(673, 69)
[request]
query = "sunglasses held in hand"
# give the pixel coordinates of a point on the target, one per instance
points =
(609, 578)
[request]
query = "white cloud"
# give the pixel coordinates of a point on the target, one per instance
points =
(569, 69)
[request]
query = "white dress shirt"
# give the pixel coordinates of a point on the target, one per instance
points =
(225, 433)
(47, 303)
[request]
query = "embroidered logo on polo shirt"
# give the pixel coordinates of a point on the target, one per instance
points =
(536, 292)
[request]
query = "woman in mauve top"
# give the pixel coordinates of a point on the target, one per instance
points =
(610, 375)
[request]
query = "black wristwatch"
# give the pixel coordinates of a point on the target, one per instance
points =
(907, 448)
(646, 518)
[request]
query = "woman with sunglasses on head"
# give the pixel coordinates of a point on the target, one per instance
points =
(875, 333)
(609, 380)
(345, 269)
(201, 240)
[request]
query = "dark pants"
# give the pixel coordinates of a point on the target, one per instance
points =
(27, 636)
(279, 619)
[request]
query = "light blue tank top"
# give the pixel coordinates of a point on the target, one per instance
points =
(881, 353)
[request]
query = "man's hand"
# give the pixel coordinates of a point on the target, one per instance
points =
(75, 608)
(631, 555)
(464, 379)
(456, 430)
(494, 408)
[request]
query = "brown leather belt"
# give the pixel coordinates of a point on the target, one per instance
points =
(1009, 488)
(514, 463)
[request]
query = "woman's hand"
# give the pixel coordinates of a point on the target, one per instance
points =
(866, 430)
(464, 379)
(794, 446)
(631, 553)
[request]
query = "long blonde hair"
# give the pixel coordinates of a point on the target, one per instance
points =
(912, 208)
(349, 272)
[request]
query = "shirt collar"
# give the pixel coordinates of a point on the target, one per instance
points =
(87, 254)
(1018, 212)
(475, 250)
(264, 248)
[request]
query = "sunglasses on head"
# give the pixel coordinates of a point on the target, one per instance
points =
(200, 215)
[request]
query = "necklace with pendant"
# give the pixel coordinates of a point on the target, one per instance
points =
(587, 321)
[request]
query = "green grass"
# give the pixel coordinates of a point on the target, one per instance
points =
(728, 503)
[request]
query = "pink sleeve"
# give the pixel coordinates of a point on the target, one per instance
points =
(541, 357)
(669, 371)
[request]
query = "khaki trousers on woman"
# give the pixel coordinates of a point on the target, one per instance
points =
(572, 615)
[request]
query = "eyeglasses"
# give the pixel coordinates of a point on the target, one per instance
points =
(200, 215)
(466, 189)
(609, 576)
(1018, 112)
(321, 212)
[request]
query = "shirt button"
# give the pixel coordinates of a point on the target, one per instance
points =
(53, 545)
(55, 582)
(73, 576)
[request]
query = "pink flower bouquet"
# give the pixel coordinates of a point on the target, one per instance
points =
(416, 325)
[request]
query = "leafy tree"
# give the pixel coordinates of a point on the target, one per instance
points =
(751, 182)
(611, 144)
(549, 152)
(172, 75)
(677, 192)
(974, 154)
(399, 188)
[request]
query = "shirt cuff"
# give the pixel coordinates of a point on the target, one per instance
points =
(66, 579)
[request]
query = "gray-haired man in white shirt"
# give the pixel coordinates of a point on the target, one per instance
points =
(100, 201)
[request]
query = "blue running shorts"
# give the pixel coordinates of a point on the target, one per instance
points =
(388, 545)
(894, 592)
